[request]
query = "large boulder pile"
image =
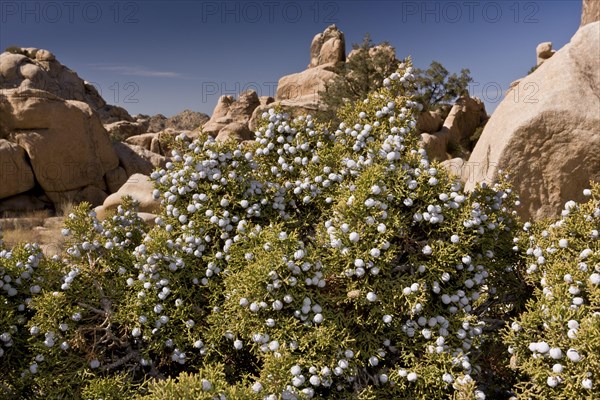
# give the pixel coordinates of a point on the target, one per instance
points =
(31, 68)
(465, 117)
(59, 145)
(54, 148)
(231, 116)
(550, 145)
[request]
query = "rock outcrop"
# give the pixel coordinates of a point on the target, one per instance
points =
(590, 12)
(138, 160)
(140, 188)
(550, 144)
(304, 87)
(232, 114)
(121, 130)
(236, 131)
(543, 52)
(429, 121)
(466, 115)
(54, 147)
(299, 93)
(63, 141)
(157, 142)
(16, 175)
(327, 48)
(33, 68)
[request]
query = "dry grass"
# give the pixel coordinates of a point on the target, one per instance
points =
(65, 208)
(35, 226)
(30, 215)
(50, 239)
(13, 237)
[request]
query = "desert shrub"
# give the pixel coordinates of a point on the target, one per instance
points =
(83, 317)
(555, 343)
(435, 87)
(15, 50)
(308, 263)
(361, 74)
(532, 69)
(332, 264)
(21, 278)
(207, 383)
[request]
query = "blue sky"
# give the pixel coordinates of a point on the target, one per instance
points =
(166, 56)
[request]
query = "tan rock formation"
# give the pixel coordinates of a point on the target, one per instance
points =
(16, 175)
(551, 143)
(543, 52)
(590, 12)
(327, 48)
(66, 144)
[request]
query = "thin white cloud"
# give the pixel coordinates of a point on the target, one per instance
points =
(133, 70)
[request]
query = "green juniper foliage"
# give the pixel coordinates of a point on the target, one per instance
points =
(555, 343)
(19, 274)
(331, 264)
(309, 263)
(14, 50)
(361, 74)
(435, 87)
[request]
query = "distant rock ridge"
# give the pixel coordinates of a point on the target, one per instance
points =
(185, 120)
